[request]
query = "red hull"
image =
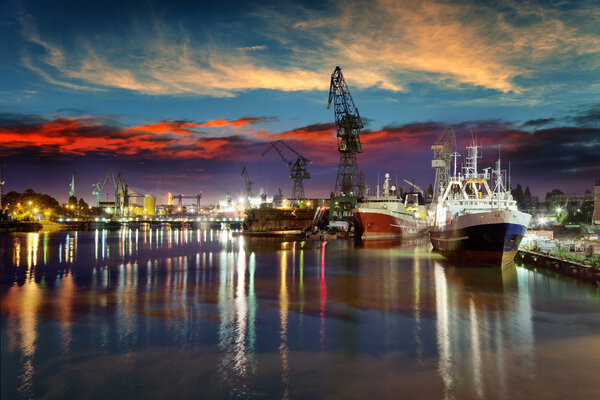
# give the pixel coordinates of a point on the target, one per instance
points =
(380, 225)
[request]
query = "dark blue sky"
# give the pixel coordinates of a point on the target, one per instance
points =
(180, 97)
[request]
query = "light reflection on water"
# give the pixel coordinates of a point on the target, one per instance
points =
(343, 320)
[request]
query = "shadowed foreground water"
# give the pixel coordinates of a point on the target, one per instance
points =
(203, 314)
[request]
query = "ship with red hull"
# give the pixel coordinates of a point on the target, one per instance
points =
(475, 223)
(386, 215)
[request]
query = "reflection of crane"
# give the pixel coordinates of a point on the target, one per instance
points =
(348, 125)
(442, 153)
(247, 182)
(297, 169)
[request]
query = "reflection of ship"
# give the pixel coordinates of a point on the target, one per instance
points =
(386, 215)
(474, 225)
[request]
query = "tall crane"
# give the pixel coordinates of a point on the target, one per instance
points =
(247, 182)
(72, 186)
(348, 125)
(297, 168)
(442, 154)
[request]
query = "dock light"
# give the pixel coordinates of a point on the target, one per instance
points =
(542, 221)
(559, 209)
(35, 210)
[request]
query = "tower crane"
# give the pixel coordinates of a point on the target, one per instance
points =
(297, 168)
(442, 154)
(348, 126)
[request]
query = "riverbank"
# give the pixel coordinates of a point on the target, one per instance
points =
(13, 226)
(563, 265)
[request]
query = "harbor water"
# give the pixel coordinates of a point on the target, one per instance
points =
(205, 314)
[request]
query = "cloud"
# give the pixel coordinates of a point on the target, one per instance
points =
(83, 136)
(588, 117)
(539, 122)
(385, 44)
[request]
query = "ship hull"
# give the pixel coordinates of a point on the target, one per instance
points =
(484, 240)
(380, 224)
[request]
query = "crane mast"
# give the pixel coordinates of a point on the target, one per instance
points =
(348, 126)
(442, 154)
(297, 168)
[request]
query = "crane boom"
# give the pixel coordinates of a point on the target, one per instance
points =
(415, 186)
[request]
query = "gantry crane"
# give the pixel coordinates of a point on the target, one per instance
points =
(297, 168)
(442, 154)
(180, 197)
(348, 125)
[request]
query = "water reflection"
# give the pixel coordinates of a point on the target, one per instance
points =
(489, 311)
(259, 311)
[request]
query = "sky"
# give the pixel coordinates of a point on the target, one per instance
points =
(180, 97)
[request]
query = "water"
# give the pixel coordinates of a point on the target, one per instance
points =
(204, 314)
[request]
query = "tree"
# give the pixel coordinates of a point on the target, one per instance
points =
(517, 194)
(84, 208)
(552, 204)
(554, 192)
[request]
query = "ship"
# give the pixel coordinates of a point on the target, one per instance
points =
(473, 222)
(386, 215)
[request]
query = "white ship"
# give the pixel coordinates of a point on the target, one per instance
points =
(472, 222)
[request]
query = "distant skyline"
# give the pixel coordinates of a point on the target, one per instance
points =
(179, 96)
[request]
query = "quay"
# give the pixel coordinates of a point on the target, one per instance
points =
(565, 266)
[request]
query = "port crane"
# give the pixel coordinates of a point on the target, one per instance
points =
(297, 168)
(443, 148)
(348, 126)
(247, 183)
(121, 191)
